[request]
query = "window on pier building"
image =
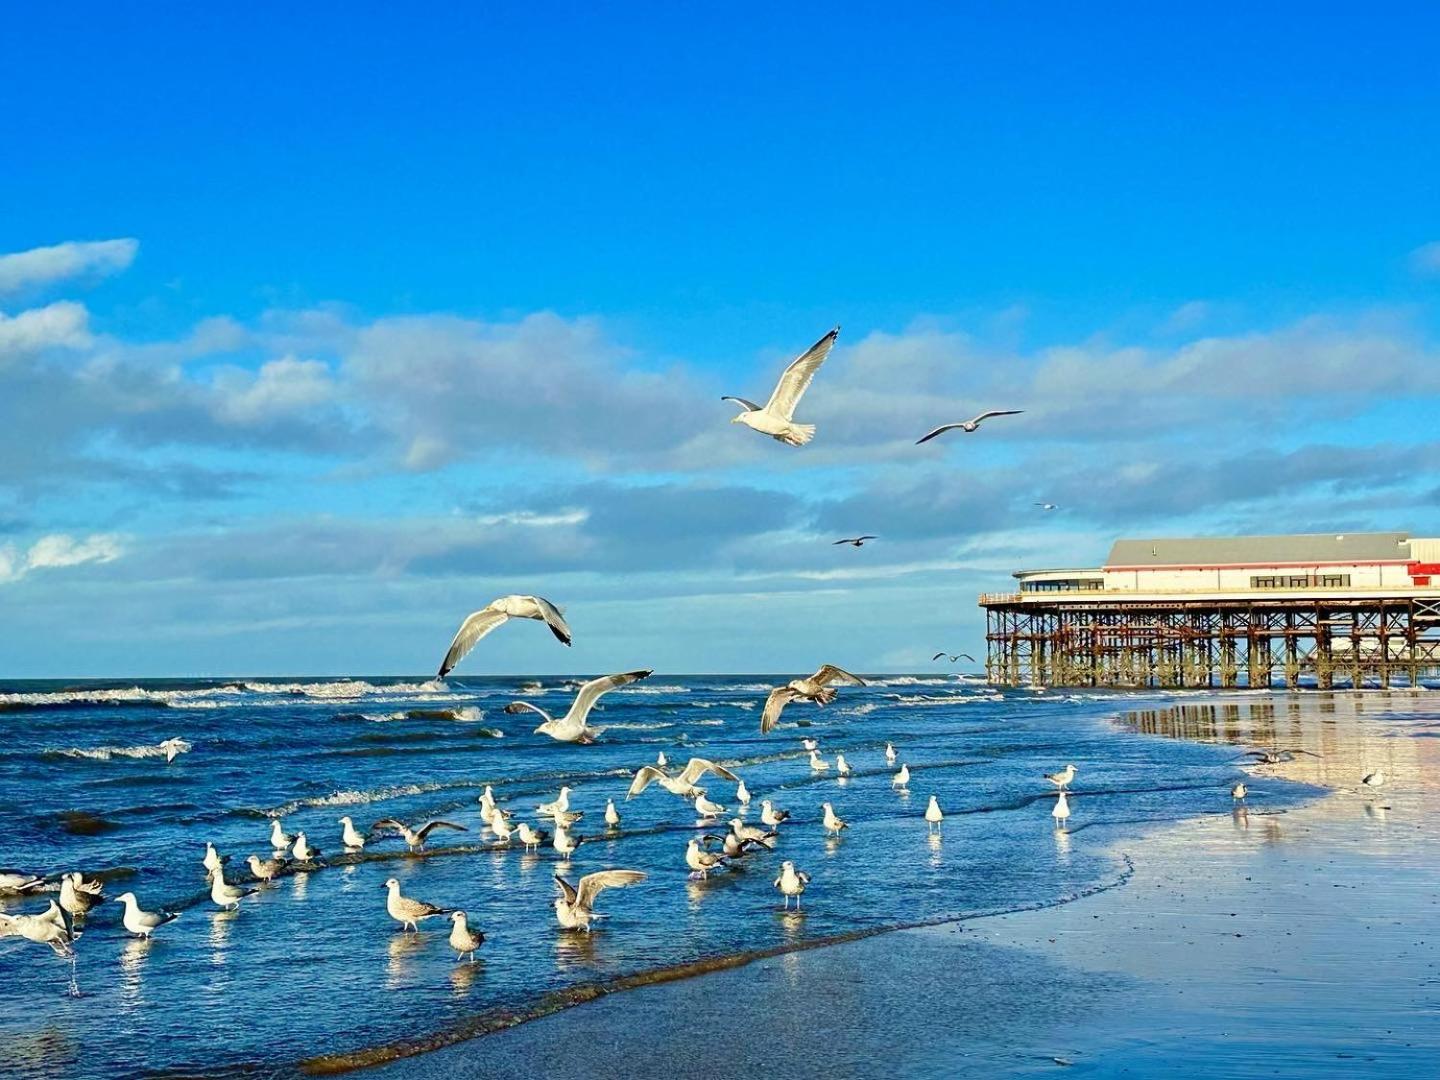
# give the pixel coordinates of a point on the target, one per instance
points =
(1300, 581)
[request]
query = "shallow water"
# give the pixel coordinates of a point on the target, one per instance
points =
(314, 966)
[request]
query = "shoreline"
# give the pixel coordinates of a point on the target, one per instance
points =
(1067, 944)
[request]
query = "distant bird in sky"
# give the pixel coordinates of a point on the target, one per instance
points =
(815, 688)
(1047, 506)
(791, 882)
(855, 541)
(462, 939)
(684, 784)
(406, 911)
(575, 906)
(968, 425)
(139, 922)
(954, 657)
(414, 838)
(1062, 778)
(480, 623)
(776, 417)
(571, 728)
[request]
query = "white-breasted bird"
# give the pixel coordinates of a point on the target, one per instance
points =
(280, 840)
(1239, 791)
(791, 882)
(561, 803)
(889, 754)
(707, 808)
(174, 748)
(817, 763)
(901, 779)
(1061, 813)
(683, 785)
(776, 417)
(407, 911)
(575, 906)
(351, 837)
(742, 794)
(1062, 778)
(661, 759)
(771, 816)
(212, 859)
(970, 426)
(842, 767)
(572, 728)
(139, 922)
(832, 823)
(479, 623)
(414, 838)
(814, 688)
(267, 870)
(563, 842)
(1373, 779)
(933, 814)
(462, 939)
(302, 850)
(701, 861)
(78, 896)
(224, 894)
(530, 838)
(612, 816)
(47, 928)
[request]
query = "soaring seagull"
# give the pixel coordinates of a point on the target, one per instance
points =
(955, 656)
(969, 425)
(816, 688)
(683, 785)
(854, 541)
(776, 417)
(571, 727)
(480, 623)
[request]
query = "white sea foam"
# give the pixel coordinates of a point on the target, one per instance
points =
(105, 753)
(357, 797)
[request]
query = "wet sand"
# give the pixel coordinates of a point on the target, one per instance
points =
(1252, 943)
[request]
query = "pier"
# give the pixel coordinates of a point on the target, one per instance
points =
(1326, 610)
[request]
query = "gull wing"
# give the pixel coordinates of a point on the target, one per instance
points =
(553, 619)
(592, 885)
(996, 412)
(643, 776)
(938, 431)
(967, 656)
(388, 823)
(430, 826)
(524, 706)
(567, 891)
(935, 657)
(829, 673)
(591, 691)
(475, 627)
(775, 704)
(697, 767)
(796, 379)
(742, 401)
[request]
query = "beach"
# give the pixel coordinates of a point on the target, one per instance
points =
(1260, 942)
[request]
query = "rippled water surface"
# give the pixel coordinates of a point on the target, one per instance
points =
(315, 966)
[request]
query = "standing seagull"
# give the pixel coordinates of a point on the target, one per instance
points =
(480, 623)
(352, 839)
(816, 688)
(1062, 778)
(142, 923)
(832, 823)
(408, 912)
(791, 882)
(78, 896)
(777, 417)
(700, 861)
(571, 727)
(530, 838)
(612, 816)
(302, 850)
(1373, 779)
(901, 780)
(224, 894)
(1061, 813)
(968, 425)
(575, 906)
(854, 541)
(708, 808)
(280, 840)
(266, 872)
(1239, 791)
(842, 767)
(934, 815)
(462, 939)
(742, 794)
(771, 815)
(889, 754)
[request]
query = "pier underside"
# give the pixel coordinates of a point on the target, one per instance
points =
(1352, 641)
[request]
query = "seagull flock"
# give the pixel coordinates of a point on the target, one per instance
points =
(59, 924)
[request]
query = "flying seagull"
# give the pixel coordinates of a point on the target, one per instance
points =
(571, 727)
(575, 906)
(415, 838)
(954, 657)
(1274, 757)
(855, 541)
(816, 688)
(481, 622)
(969, 425)
(776, 417)
(1047, 507)
(684, 784)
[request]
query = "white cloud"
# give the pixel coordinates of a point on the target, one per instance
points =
(46, 265)
(280, 389)
(1425, 259)
(63, 324)
(57, 551)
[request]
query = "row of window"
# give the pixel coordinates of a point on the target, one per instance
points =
(1063, 585)
(1301, 581)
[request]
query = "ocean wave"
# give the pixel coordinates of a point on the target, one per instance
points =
(106, 753)
(361, 797)
(657, 689)
(913, 680)
(346, 689)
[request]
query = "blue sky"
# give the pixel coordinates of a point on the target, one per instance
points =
(318, 331)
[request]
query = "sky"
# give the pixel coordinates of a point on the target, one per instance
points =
(321, 328)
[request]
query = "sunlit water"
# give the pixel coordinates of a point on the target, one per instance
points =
(315, 966)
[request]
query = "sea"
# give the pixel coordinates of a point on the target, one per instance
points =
(312, 971)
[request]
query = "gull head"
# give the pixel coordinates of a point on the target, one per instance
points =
(125, 897)
(457, 916)
(391, 883)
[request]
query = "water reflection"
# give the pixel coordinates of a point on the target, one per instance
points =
(401, 951)
(221, 923)
(463, 975)
(1062, 843)
(576, 949)
(1240, 815)
(301, 889)
(132, 961)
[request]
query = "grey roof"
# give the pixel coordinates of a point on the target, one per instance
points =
(1265, 550)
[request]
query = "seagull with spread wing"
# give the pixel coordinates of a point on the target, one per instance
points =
(816, 688)
(971, 425)
(414, 838)
(571, 728)
(776, 417)
(683, 785)
(854, 541)
(954, 656)
(480, 623)
(575, 906)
